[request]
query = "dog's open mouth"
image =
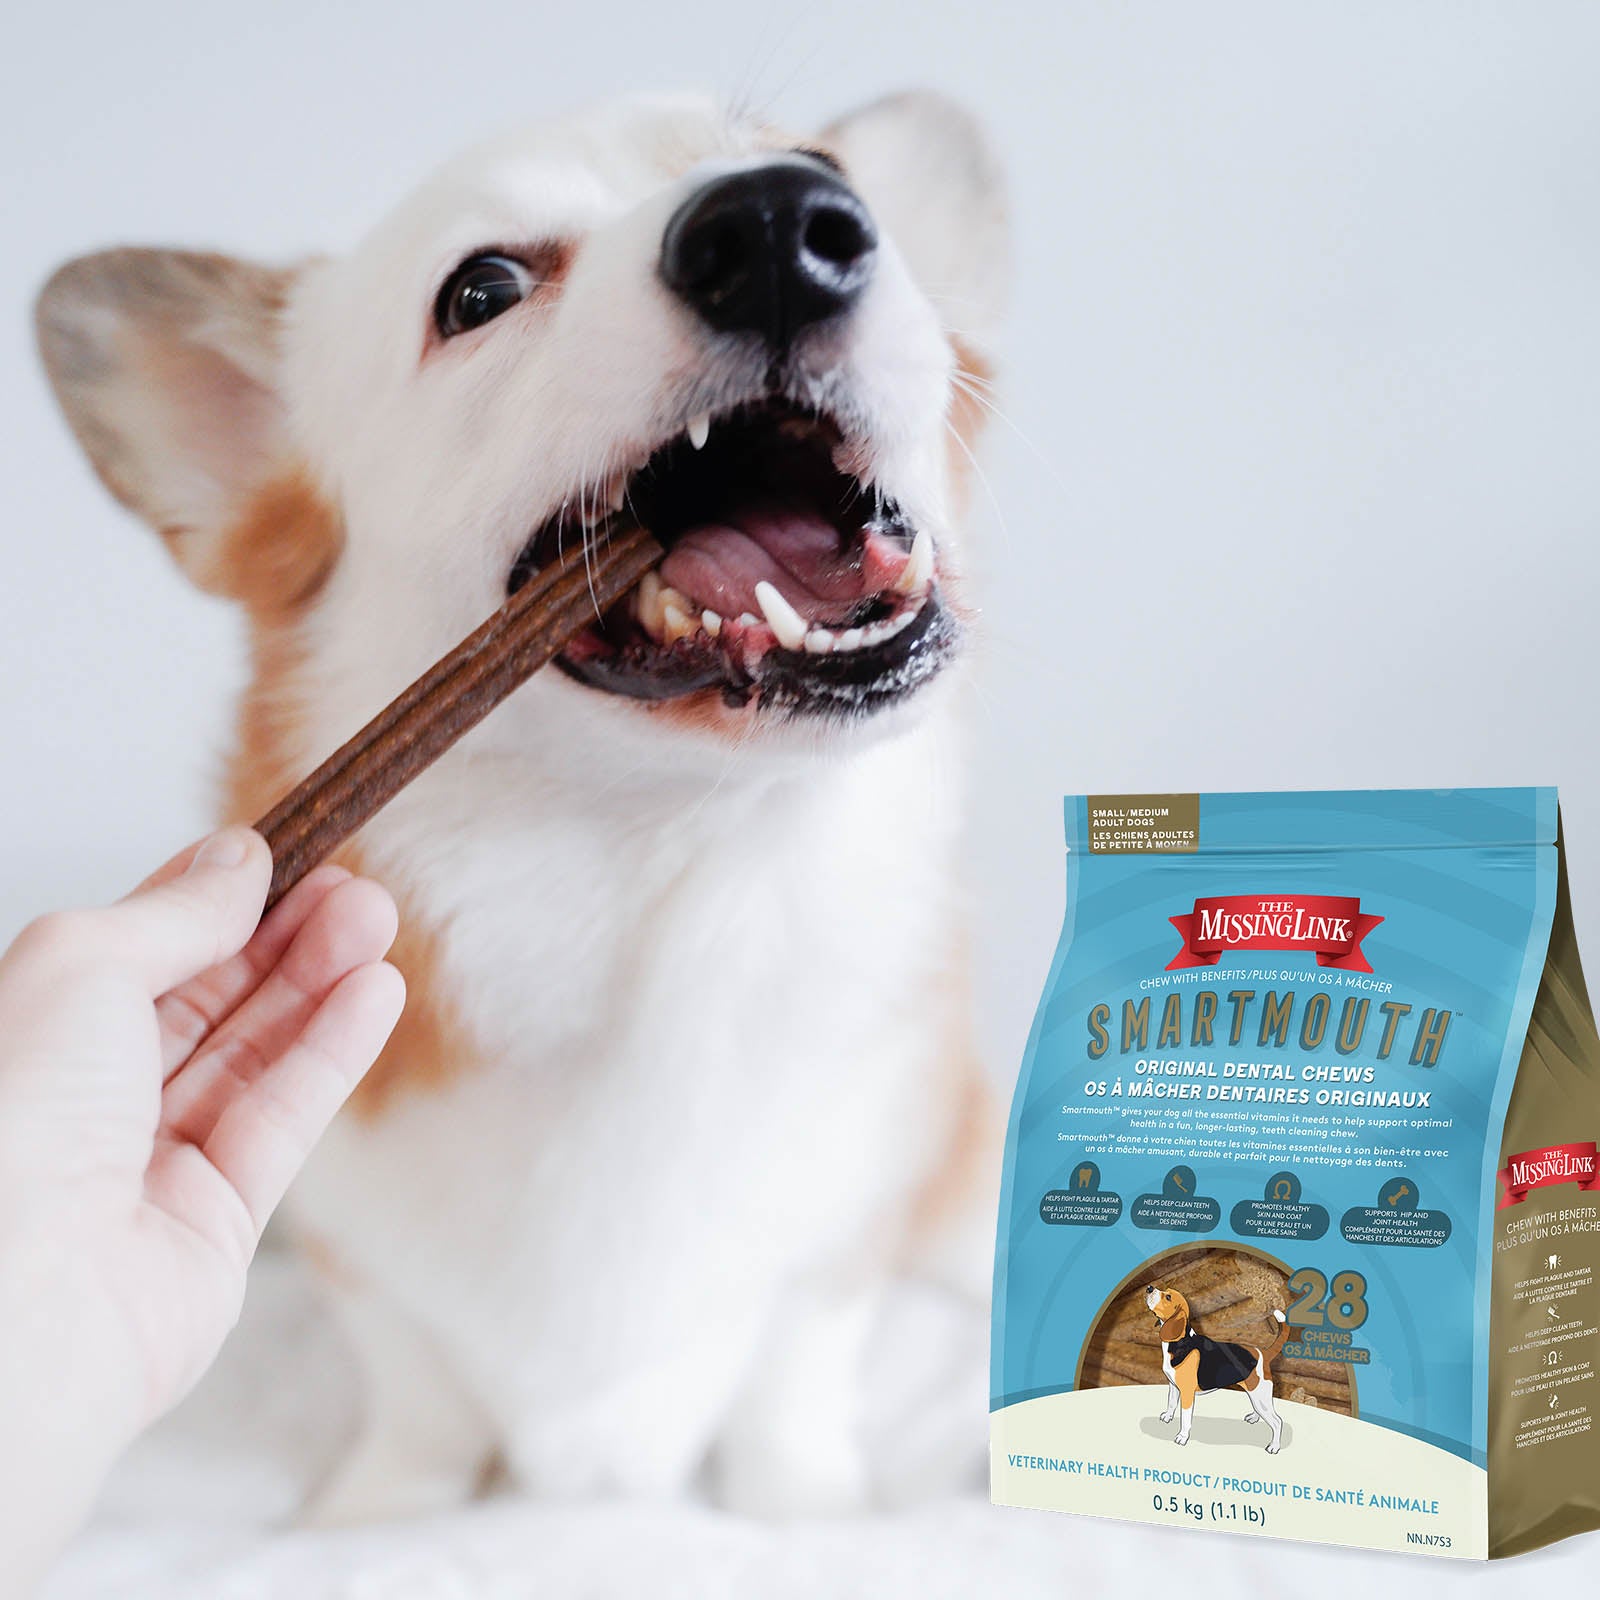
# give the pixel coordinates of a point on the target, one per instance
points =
(785, 577)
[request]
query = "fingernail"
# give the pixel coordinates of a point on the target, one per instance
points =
(222, 850)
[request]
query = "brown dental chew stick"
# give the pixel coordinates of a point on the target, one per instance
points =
(449, 699)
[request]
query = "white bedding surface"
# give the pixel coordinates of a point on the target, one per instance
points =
(202, 1509)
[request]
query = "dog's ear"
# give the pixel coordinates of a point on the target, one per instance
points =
(166, 365)
(925, 167)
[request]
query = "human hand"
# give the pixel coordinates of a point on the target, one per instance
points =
(165, 1068)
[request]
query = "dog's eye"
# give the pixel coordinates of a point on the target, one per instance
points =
(478, 291)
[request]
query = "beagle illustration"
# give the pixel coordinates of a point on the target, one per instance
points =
(1195, 1365)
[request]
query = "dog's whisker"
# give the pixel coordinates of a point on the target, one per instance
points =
(983, 479)
(960, 380)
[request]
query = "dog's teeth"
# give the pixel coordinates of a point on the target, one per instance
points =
(787, 625)
(819, 642)
(850, 639)
(919, 564)
(711, 622)
(647, 603)
(748, 619)
(619, 492)
(675, 625)
(699, 430)
(879, 632)
(677, 599)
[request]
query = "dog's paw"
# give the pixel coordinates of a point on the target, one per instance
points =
(1182, 1438)
(1250, 1417)
(1167, 1416)
(1273, 1449)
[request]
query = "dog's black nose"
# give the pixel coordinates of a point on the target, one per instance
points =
(770, 251)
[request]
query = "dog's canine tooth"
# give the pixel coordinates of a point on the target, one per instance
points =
(787, 625)
(919, 564)
(618, 492)
(819, 642)
(699, 430)
(711, 622)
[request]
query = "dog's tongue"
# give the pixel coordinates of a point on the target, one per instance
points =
(794, 548)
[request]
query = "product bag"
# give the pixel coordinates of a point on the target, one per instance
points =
(1299, 1228)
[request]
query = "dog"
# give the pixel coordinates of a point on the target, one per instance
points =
(686, 1075)
(1196, 1365)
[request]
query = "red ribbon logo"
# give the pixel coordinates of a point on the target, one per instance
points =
(1537, 1169)
(1331, 926)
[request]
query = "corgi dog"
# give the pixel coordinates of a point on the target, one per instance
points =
(686, 1075)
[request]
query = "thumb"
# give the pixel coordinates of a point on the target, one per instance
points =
(174, 927)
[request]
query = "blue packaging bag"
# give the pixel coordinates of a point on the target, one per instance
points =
(1300, 1227)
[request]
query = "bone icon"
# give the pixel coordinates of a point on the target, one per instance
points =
(1399, 1194)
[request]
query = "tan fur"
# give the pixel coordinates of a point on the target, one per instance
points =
(276, 556)
(430, 1044)
(279, 553)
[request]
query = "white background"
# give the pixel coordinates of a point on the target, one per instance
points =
(1300, 484)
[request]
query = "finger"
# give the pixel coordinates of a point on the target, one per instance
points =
(171, 868)
(352, 926)
(265, 1133)
(170, 931)
(194, 1010)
